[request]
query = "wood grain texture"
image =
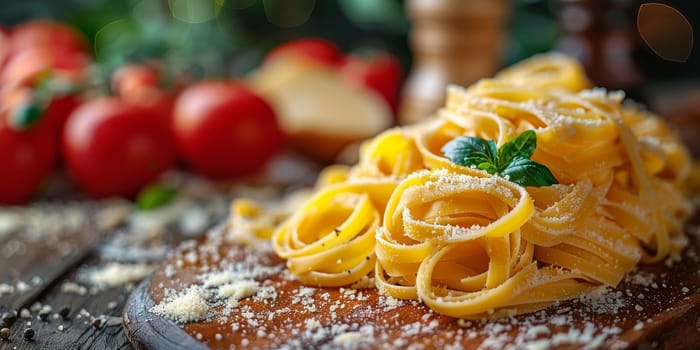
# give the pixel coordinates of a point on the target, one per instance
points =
(81, 334)
(78, 332)
(52, 260)
(44, 256)
(47, 258)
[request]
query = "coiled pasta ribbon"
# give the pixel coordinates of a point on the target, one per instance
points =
(547, 72)
(433, 209)
(470, 244)
(330, 240)
(392, 154)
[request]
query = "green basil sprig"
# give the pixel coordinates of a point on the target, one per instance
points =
(155, 196)
(510, 161)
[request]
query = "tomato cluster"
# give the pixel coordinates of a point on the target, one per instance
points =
(114, 145)
(31, 119)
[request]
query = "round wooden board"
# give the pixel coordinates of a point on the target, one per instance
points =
(146, 330)
(668, 312)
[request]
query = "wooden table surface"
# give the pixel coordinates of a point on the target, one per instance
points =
(45, 265)
(46, 259)
(60, 241)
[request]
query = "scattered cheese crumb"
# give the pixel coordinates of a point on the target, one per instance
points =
(6, 289)
(22, 286)
(188, 306)
(72, 287)
(217, 279)
(116, 274)
(238, 290)
(352, 339)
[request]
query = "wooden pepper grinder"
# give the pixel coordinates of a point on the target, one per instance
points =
(453, 42)
(603, 36)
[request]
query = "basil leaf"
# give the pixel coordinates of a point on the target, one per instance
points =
(511, 160)
(493, 152)
(522, 146)
(471, 151)
(488, 167)
(155, 196)
(527, 172)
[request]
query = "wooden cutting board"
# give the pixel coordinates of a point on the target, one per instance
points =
(657, 306)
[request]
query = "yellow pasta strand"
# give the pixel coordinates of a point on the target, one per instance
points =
(330, 241)
(473, 245)
(547, 72)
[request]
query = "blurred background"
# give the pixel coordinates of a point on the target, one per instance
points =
(231, 36)
(387, 61)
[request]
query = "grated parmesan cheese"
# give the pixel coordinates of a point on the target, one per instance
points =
(354, 340)
(187, 306)
(117, 274)
(238, 290)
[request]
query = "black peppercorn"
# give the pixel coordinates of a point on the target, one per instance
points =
(29, 334)
(97, 323)
(44, 315)
(9, 317)
(5, 334)
(64, 312)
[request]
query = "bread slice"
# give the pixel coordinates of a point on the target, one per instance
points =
(320, 111)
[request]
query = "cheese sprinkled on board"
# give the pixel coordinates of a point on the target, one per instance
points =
(188, 306)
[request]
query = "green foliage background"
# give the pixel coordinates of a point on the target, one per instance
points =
(229, 37)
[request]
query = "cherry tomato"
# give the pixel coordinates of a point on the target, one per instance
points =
(140, 84)
(57, 111)
(27, 157)
(53, 112)
(317, 50)
(130, 80)
(160, 102)
(380, 72)
(48, 34)
(224, 130)
(114, 148)
(29, 65)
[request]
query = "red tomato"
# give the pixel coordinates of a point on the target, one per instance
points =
(48, 34)
(54, 113)
(380, 72)
(27, 157)
(317, 50)
(224, 130)
(131, 80)
(161, 103)
(27, 66)
(113, 147)
(58, 110)
(140, 84)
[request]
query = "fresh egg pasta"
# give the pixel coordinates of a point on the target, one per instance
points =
(472, 244)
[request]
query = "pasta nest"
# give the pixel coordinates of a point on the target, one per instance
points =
(473, 245)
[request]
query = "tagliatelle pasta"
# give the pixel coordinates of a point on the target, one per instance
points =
(470, 244)
(330, 241)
